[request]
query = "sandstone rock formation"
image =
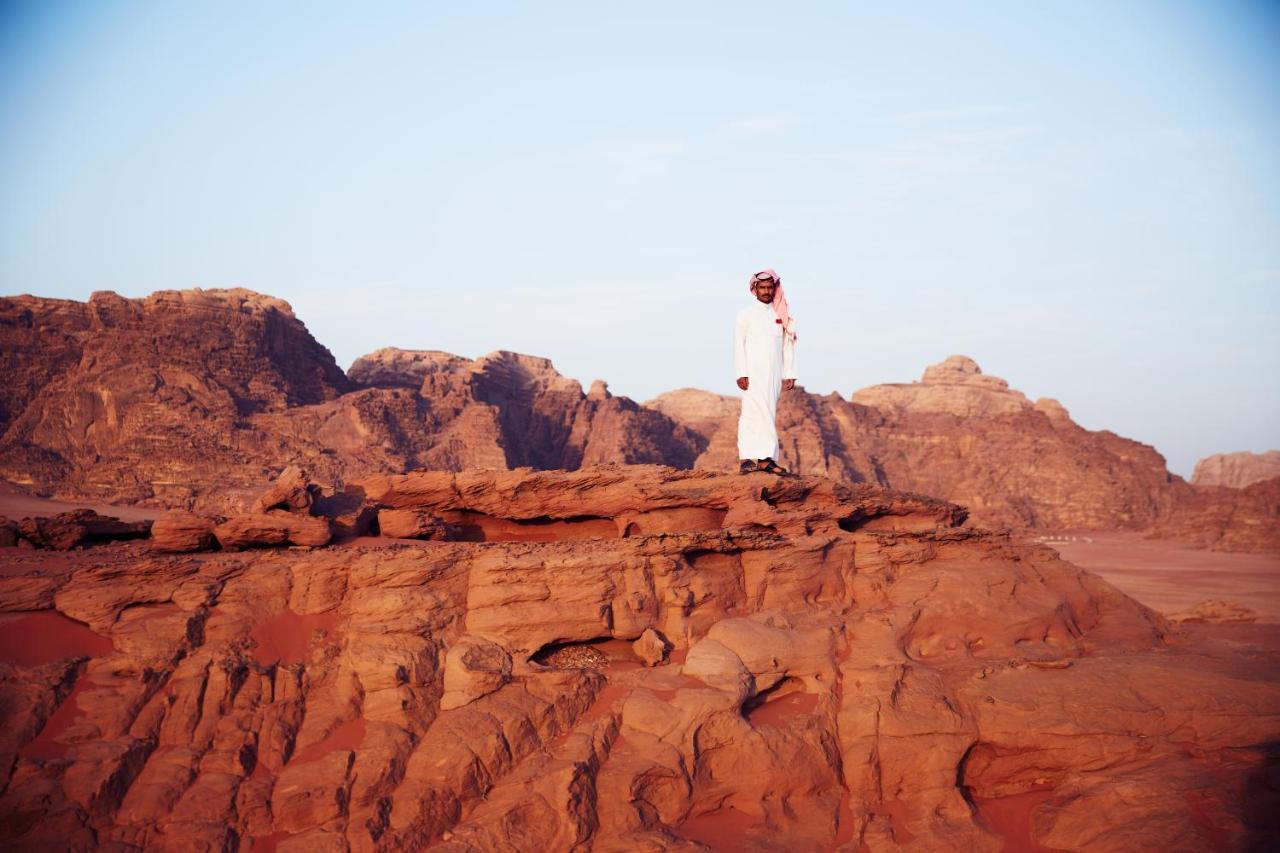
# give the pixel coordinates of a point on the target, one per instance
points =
(190, 399)
(1226, 519)
(268, 529)
(414, 524)
(956, 386)
(852, 670)
(181, 532)
(963, 436)
(1215, 612)
(68, 530)
(1236, 470)
(135, 398)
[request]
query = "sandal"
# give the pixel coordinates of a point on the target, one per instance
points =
(747, 466)
(768, 466)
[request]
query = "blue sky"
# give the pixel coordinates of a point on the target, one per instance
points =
(1083, 196)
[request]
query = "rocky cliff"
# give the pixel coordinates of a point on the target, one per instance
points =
(623, 658)
(1236, 470)
(964, 436)
(129, 398)
(1227, 519)
(191, 398)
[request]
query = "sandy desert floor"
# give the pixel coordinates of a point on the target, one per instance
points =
(17, 504)
(1170, 577)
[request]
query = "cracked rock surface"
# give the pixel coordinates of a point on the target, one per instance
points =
(822, 667)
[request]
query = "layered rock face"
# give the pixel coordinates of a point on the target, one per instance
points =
(191, 398)
(624, 659)
(133, 398)
(1227, 519)
(1236, 470)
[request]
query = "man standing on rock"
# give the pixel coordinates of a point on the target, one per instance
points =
(764, 355)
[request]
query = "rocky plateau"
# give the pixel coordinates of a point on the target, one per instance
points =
(618, 658)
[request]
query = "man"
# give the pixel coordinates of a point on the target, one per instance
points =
(764, 356)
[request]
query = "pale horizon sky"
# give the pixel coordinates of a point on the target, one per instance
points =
(1082, 196)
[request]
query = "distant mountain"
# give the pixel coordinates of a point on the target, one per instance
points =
(1236, 470)
(158, 400)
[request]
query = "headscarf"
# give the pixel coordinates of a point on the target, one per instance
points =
(779, 304)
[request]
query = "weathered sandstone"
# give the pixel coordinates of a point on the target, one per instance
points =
(68, 530)
(1227, 519)
(1237, 470)
(255, 530)
(180, 531)
(851, 669)
(414, 524)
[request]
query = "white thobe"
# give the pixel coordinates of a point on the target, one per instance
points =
(766, 357)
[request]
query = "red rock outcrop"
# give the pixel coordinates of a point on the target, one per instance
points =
(850, 669)
(181, 532)
(189, 399)
(963, 436)
(1226, 519)
(1236, 470)
(149, 397)
(68, 530)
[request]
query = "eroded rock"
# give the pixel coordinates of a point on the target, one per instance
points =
(848, 667)
(258, 530)
(182, 532)
(67, 530)
(473, 667)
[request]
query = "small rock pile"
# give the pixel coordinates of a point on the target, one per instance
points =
(68, 530)
(283, 515)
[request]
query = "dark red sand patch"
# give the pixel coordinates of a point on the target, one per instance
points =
(285, 637)
(45, 746)
(1010, 818)
(776, 712)
(45, 636)
(268, 843)
(726, 828)
(896, 811)
(347, 736)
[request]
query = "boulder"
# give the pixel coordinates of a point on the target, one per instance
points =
(414, 523)
(181, 532)
(258, 530)
(66, 530)
(349, 512)
(1216, 612)
(473, 667)
(8, 533)
(291, 492)
(651, 647)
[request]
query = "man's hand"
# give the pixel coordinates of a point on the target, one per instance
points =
(743, 382)
(788, 384)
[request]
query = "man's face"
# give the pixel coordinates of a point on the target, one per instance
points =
(765, 290)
